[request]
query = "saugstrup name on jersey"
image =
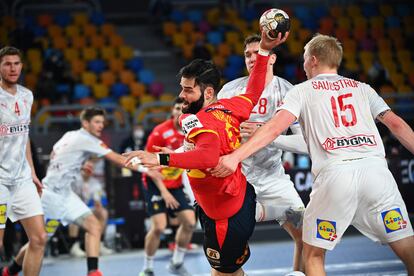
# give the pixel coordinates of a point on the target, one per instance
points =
(348, 142)
(14, 129)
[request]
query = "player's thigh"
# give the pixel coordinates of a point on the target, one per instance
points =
(332, 205)
(159, 221)
(382, 215)
(34, 227)
(25, 202)
(75, 209)
(186, 216)
(284, 199)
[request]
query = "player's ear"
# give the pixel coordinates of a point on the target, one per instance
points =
(209, 93)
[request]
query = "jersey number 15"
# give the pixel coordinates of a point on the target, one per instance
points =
(344, 109)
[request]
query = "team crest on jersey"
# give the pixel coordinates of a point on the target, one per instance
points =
(51, 225)
(17, 129)
(3, 217)
(326, 229)
(212, 254)
(190, 122)
(393, 220)
(349, 142)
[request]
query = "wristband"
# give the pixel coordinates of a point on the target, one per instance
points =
(163, 159)
(263, 52)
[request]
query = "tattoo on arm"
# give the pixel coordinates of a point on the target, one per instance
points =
(382, 114)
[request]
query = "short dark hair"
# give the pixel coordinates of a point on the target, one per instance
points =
(88, 113)
(256, 38)
(204, 72)
(10, 51)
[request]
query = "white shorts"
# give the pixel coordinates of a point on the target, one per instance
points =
(362, 193)
(18, 202)
(62, 208)
(280, 193)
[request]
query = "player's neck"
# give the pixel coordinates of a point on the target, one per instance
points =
(8, 87)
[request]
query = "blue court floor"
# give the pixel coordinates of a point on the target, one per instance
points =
(355, 255)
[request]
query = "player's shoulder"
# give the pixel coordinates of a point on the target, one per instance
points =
(24, 90)
(282, 82)
(230, 87)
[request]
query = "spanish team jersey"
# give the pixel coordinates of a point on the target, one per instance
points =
(267, 161)
(337, 116)
(166, 135)
(67, 157)
(14, 134)
(219, 197)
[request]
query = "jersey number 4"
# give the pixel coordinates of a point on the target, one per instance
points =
(17, 109)
(347, 111)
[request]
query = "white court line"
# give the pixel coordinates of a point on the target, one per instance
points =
(331, 268)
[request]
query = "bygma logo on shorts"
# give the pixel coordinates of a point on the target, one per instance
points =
(393, 220)
(51, 225)
(3, 217)
(326, 229)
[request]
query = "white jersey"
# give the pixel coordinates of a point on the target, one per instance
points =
(337, 116)
(68, 155)
(14, 134)
(267, 160)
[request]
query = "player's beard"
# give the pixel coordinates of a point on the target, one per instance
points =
(194, 107)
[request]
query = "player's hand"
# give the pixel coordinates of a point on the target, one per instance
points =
(247, 129)
(87, 168)
(226, 166)
(170, 201)
(268, 44)
(38, 183)
(162, 149)
(147, 159)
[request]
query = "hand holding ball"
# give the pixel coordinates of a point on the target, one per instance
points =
(274, 21)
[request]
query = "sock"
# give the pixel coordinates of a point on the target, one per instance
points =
(178, 255)
(14, 268)
(148, 262)
(92, 263)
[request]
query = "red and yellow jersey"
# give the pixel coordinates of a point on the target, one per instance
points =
(166, 135)
(219, 197)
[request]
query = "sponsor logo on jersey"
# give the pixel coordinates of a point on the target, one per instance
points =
(190, 122)
(393, 220)
(18, 129)
(240, 260)
(212, 254)
(349, 142)
(326, 229)
(168, 133)
(51, 225)
(3, 217)
(218, 107)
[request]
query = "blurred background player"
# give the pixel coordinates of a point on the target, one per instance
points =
(277, 198)
(91, 189)
(167, 197)
(353, 184)
(226, 207)
(19, 200)
(60, 203)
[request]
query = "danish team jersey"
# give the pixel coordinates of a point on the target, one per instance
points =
(219, 197)
(68, 155)
(14, 134)
(166, 135)
(337, 116)
(267, 161)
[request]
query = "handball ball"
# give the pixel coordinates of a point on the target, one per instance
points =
(274, 21)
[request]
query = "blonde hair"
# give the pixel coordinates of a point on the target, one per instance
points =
(327, 49)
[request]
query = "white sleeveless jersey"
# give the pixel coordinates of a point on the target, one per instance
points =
(267, 160)
(68, 155)
(14, 134)
(337, 117)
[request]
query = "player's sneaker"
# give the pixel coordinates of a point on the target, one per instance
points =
(4, 271)
(95, 273)
(178, 269)
(76, 250)
(105, 250)
(147, 272)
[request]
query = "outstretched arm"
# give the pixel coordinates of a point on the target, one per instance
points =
(36, 181)
(399, 128)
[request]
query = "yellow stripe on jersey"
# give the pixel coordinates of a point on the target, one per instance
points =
(195, 133)
(245, 98)
(171, 173)
(194, 173)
